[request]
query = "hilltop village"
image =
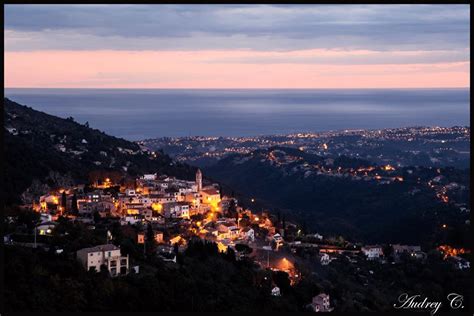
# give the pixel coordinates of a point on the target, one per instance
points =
(176, 209)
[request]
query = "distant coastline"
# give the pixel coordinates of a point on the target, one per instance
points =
(137, 114)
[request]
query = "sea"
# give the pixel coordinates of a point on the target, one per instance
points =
(137, 114)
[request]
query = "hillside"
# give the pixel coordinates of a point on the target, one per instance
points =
(38, 144)
(348, 196)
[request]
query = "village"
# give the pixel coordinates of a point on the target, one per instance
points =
(177, 211)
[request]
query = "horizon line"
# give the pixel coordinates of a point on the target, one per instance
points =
(315, 88)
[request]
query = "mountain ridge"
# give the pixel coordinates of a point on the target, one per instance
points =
(36, 143)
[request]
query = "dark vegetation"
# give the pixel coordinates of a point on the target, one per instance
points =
(359, 210)
(205, 280)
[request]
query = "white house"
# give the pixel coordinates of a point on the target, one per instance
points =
(130, 192)
(318, 236)
(12, 130)
(45, 217)
(372, 252)
(460, 263)
(320, 303)
(176, 210)
(325, 259)
(247, 233)
(149, 176)
(104, 255)
(130, 219)
(276, 291)
(278, 240)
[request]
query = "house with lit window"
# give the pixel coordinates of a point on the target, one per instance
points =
(278, 240)
(158, 237)
(48, 202)
(107, 255)
(227, 231)
(211, 196)
(46, 228)
(412, 251)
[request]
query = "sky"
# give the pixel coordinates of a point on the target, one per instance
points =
(237, 46)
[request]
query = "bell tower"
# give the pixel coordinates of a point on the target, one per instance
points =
(199, 180)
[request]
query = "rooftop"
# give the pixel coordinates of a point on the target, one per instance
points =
(106, 247)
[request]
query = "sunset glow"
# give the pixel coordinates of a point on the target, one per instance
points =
(211, 69)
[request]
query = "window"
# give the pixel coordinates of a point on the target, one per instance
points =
(109, 254)
(91, 254)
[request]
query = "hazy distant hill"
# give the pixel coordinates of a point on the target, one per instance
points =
(37, 143)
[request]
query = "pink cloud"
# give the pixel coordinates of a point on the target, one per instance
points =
(212, 69)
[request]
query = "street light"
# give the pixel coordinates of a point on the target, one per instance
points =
(35, 229)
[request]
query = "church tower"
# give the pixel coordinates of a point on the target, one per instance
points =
(199, 180)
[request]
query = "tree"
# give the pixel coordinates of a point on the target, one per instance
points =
(388, 252)
(273, 244)
(176, 248)
(96, 216)
(28, 218)
(74, 209)
(282, 280)
(243, 248)
(229, 254)
(150, 242)
(232, 210)
(63, 200)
